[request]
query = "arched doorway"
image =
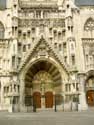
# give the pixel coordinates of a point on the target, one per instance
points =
(90, 91)
(42, 81)
(90, 97)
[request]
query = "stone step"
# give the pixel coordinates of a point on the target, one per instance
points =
(46, 110)
(91, 108)
(3, 111)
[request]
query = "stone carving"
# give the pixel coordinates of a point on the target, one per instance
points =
(59, 23)
(89, 48)
(42, 49)
(38, 22)
(89, 25)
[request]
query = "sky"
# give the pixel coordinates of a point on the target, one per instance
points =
(78, 2)
(84, 2)
(2, 4)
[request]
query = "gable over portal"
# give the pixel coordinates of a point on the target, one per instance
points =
(42, 51)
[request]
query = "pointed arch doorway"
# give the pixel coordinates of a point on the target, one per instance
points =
(42, 81)
(90, 91)
(43, 89)
(90, 97)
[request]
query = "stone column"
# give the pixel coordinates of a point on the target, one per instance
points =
(2, 96)
(41, 14)
(82, 96)
(22, 95)
(43, 102)
(63, 94)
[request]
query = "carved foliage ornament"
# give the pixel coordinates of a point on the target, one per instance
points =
(42, 50)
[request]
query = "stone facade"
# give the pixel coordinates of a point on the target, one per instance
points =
(46, 50)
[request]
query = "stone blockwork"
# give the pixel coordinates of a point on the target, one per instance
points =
(53, 37)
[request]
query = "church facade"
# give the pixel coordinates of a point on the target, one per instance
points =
(46, 55)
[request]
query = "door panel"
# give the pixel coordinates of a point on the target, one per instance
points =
(37, 99)
(49, 100)
(90, 98)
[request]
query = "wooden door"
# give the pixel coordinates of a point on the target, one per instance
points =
(90, 98)
(49, 100)
(37, 99)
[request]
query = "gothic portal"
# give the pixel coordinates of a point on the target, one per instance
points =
(43, 81)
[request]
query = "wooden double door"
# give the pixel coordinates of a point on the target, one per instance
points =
(90, 97)
(48, 99)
